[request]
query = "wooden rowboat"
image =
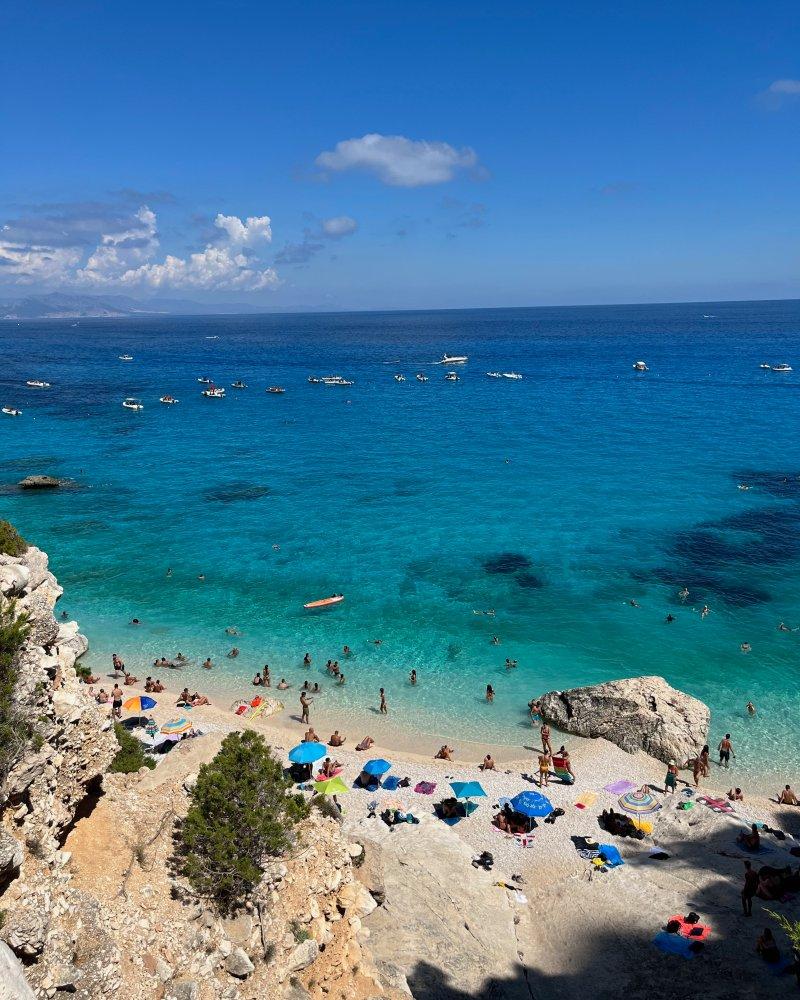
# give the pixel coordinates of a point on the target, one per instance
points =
(325, 602)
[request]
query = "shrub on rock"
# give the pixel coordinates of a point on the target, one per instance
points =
(240, 815)
(11, 541)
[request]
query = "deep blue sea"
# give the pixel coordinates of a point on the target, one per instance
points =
(553, 500)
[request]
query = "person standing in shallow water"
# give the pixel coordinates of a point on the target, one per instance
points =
(384, 708)
(544, 732)
(726, 751)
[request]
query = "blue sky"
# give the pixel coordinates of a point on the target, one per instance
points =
(542, 153)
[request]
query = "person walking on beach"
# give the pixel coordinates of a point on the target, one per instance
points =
(116, 702)
(305, 704)
(751, 880)
(544, 732)
(671, 779)
(726, 751)
(384, 708)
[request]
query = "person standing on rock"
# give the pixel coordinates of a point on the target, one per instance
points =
(305, 704)
(545, 735)
(726, 751)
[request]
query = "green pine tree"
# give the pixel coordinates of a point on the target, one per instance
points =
(239, 816)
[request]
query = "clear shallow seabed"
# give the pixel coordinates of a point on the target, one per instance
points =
(554, 500)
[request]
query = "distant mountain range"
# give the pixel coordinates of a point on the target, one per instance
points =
(58, 305)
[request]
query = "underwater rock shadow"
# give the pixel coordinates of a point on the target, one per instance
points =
(235, 492)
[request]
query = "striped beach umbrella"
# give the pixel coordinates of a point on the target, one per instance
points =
(175, 726)
(140, 703)
(642, 802)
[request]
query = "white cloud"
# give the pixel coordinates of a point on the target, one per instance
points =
(93, 247)
(254, 229)
(338, 226)
(398, 161)
(785, 88)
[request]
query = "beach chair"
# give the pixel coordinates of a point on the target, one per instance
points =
(561, 771)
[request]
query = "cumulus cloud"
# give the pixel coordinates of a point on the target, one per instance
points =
(315, 239)
(398, 161)
(94, 246)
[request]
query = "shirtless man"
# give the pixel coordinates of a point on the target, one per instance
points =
(787, 797)
(283, 685)
(305, 704)
(412, 677)
(488, 763)
(207, 663)
(158, 687)
(444, 753)
(336, 740)
(384, 708)
(726, 751)
(116, 702)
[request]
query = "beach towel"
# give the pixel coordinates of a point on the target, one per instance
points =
(391, 783)
(586, 800)
(561, 772)
(425, 787)
(610, 855)
(644, 825)
(673, 944)
(694, 932)
(620, 787)
(716, 805)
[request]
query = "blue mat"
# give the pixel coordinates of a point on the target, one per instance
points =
(673, 944)
(391, 783)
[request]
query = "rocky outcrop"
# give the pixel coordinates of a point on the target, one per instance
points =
(444, 928)
(13, 985)
(638, 713)
(39, 483)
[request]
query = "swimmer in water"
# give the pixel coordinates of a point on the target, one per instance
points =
(495, 641)
(783, 627)
(633, 603)
(669, 619)
(683, 594)
(751, 708)
(169, 571)
(307, 660)
(208, 664)
(346, 651)
(412, 677)
(745, 647)
(201, 576)
(705, 612)
(489, 693)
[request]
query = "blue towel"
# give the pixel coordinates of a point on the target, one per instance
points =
(391, 783)
(673, 944)
(610, 855)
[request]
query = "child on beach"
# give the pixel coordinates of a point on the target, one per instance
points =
(671, 779)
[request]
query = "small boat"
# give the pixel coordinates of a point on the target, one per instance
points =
(494, 375)
(640, 366)
(421, 378)
(399, 378)
(781, 368)
(213, 392)
(238, 384)
(212, 338)
(205, 381)
(335, 380)
(326, 602)
(126, 357)
(453, 359)
(36, 383)
(132, 404)
(169, 400)
(452, 377)
(512, 375)
(314, 380)
(766, 366)
(12, 412)
(277, 389)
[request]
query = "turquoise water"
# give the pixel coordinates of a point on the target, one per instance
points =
(553, 500)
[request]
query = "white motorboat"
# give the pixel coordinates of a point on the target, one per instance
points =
(453, 359)
(781, 368)
(494, 375)
(238, 384)
(205, 381)
(452, 377)
(512, 375)
(132, 404)
(335, 380)
(126, 357)
(399, 378)
(276, 389)
(421, 378)
(213, 392)
(36, 383)
(640, 366)
(169, 400)
(12, 412)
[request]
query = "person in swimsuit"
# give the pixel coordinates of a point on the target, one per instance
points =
(725, 751)
(444, 753)
(749, 889)
(116, 702)
(544, 732)
(366, 743)
(751, 708)
(305, 705)
(412, 677)
(258, 681)
(545, 760)
(489, 693)
(787, 797)
(307, 660)
(207, 664)
(384, 708)
(336, 740)
(671, 779)
(488, 763)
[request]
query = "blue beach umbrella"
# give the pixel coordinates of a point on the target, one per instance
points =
(307, 753)
(376, 767)
(531, 804)
(467, 789)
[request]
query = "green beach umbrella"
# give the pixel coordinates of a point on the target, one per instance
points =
(331, 786)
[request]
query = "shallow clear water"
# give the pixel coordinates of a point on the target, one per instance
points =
(553, 500)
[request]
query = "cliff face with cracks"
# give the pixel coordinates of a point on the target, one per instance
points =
(92, 905)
